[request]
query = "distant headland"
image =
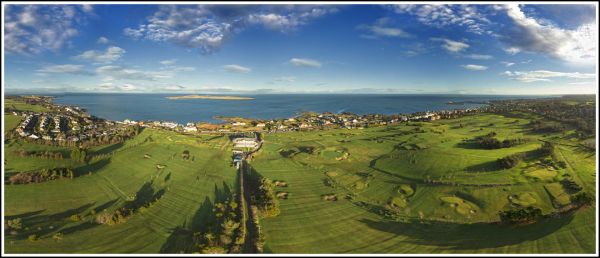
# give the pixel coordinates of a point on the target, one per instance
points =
(210, 97)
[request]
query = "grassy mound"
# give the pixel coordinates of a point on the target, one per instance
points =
(557, 194)
(523, 199)
(461, 206)
(398, 202)
(406, 190)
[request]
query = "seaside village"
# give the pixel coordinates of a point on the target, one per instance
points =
(72, 124)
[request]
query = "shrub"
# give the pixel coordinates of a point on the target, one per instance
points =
(32, 237)
(75, 217)
(570, 185)
(582, 199)
(547, 149)
(526, 215)
(104, 218)
(58, 236)
(510, 161)
(14, 223)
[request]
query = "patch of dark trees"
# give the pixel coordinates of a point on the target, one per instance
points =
(489, 141)
(531, 214)
(263, 195)
(41, 176)
(510, 161)
(55, 155)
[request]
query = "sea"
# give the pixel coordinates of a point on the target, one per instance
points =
(150, 107)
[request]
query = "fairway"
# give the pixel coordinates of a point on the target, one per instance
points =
(443, 192)
(419, 187)
(46, 208)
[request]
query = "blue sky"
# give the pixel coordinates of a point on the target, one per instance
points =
(465, 49)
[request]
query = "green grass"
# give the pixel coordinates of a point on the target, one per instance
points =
(11, 122)
(51, 203)
(444, 192)
(397, 165)
(20, 105)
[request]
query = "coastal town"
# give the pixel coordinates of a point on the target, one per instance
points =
(64, 123)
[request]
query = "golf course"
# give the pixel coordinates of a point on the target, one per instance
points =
(413, 187)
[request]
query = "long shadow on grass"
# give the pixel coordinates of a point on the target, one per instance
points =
(489, 166)
(181, 239)
(91, 168)
(451, 236)
(41, 225)
(109, 149)
(45, 225)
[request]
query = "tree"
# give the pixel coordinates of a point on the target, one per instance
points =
(582, 199)
(520, 216)
(14, 223)
(510, 161)
(547, 149)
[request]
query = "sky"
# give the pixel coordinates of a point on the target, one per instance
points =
(255, 49)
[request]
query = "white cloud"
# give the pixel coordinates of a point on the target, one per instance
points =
(576, 46)
(507, 64)
(168, 62)
(32, 29)
(110, 55)
(305, 62)
(66, 68)
(451, 45)
(285, 79)
(106, 86)
(128, 87)
(88, 8)
(479, 57)
(208, 27)
(121, 73)
(545, 76)
(180, 68)
(284, 20)
(381, 29)
(582, 83)
(233, 68)
(442, 15)
(512, 50)
(103, 40)
(472, 67)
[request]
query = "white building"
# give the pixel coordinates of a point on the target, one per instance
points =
(245, 142)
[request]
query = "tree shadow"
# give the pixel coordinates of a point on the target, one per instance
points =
(108, 149)
(91, 168)
(24, 215)
(469, 144)
(489, 166)
(453, 236)
(42, 225)
(105, 206)
(181, 238)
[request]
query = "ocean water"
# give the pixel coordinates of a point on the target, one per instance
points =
(267, 106)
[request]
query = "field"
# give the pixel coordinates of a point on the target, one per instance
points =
(188, 187)
(420, 187)
(20, 105)
(445, 191)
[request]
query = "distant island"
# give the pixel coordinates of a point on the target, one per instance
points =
(209, 97)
